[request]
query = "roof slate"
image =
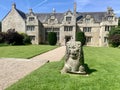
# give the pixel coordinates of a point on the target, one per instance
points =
(22, 14)
(96, 15)
(43, 17)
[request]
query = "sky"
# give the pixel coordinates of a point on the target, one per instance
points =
(59, 6)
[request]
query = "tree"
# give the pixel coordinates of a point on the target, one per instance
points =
(2, 37)
(52, 38)
(0, 27)
(114, 40)
(26, 39)
(14, 38)
(114, 31)
(119, 22)
(114, 37)
(80, 36)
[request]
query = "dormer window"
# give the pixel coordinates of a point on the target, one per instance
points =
(68, 19)
(51, 20)
(87, 20)
(52, 17)
(31, 18)
(110, 17)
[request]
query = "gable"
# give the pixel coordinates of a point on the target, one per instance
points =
(12, 13)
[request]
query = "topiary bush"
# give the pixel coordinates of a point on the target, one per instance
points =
(52, 38)
(80, 36)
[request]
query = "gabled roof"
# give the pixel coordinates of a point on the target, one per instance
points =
(43, 17)
(96, 15)
(22, 14)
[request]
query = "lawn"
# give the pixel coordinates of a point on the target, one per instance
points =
(104, 64)
(26, 51)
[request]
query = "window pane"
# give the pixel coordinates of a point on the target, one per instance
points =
(68, 18)
(31, 18)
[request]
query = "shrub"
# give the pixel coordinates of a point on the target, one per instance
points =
(80, 36)
(13, 38)
(114, 37)
(114, 40)
(114, 31)
(26, 39)
(52, 38)
(0, 26)
(2, 37)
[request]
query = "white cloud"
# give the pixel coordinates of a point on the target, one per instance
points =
(81, 4)
(40, 4)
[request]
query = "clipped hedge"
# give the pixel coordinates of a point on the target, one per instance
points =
(52, 38)
(80, 36)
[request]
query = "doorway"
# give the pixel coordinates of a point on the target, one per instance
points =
(67, 38)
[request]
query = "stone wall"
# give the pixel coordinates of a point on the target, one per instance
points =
(13, 21)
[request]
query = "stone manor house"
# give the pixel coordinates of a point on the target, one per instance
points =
(95, 25)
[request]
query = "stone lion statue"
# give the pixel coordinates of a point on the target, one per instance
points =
(74, 62)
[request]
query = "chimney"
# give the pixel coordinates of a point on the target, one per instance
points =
(13, 6)
(75, 8)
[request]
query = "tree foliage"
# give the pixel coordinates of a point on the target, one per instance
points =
(26, 39)
(114, 31)
(80, 36)
(52, 38)
(0, 27)
(114, 37)
(12, 37)
(2, 37)
(114, 40)
(119, 22)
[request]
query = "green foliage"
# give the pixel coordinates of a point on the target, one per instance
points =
(2, 37)
(114, 31)
(26, 51)
(13, 38)
(0, 26)
(52, 38)
(80, 36)
(104, 64)
(26, 39)
(119, 22)
(114, 37)
(114, 40)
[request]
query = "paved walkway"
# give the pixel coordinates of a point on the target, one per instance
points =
(54, 55)
(12, 69)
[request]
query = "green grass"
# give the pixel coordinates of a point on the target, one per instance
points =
(104, 64)
(27, 51)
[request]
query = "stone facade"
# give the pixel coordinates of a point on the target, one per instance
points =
(37, 25)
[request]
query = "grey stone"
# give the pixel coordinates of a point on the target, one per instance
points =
(74, 62)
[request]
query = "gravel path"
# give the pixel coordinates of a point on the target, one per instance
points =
(54, 55)
(12, 69)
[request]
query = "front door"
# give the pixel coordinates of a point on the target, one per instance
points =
(67, 38)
